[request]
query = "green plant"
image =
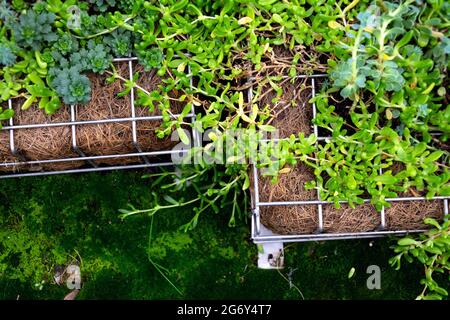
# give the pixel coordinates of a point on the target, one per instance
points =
(72, 86)
(7, 56)
(387, 60)
(65, 44)
(102, 5)
(34, 30)
(96, 57)
(209, 187)
(432, 249)
(120, 42)
(150, 58)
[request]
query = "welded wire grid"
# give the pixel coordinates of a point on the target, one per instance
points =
(261, 234)
(140, 155)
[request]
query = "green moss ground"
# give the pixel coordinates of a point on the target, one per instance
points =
(44, 221)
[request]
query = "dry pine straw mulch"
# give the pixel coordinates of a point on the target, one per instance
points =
(99, 139)
(303, 219)
(293, 114)
(409, 215)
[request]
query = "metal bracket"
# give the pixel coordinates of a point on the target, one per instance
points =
(270, 255)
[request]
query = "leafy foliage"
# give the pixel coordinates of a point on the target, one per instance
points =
(34, 29)
(7, 57)
(65, 44)
(102, 5)
(120, 42)
(388, 61)
(432, 249)
(7, 14)
(210, 188)
(150, 58)
(72, 86)
(96, 57)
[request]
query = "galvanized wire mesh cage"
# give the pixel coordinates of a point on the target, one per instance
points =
(262, 234)
(143, 159)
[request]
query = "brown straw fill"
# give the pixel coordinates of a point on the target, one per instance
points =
(293, 114)
(100, 139)
(409, 215)
(5, 154)
(43, 143)
(346, 219)
(117, 138)
(290, 219)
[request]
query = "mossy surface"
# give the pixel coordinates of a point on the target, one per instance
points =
(53, 220)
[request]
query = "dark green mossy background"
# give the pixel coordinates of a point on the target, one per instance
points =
(49, 219)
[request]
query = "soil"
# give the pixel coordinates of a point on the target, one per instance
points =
(290, 186)
(292, 112)
(39, 143)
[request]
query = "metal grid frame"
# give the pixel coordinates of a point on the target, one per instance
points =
(260, 234)
(89, 160)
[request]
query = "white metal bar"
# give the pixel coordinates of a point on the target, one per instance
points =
(316, 133)
(446, 208)
(73, 127)
(316, 202)
(85, 170)
(133, 110)
(133, 114)
(331, 236)
(12, 145)
(125, 59)
(100, 157)
(256, 199)
(85, 122)
(195, 134)
(74, 138)
(255, 211)
(11, 131)
(382, 213)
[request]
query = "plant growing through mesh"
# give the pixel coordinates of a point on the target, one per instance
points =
(432, 249)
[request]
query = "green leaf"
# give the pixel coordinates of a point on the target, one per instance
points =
(434, 156)
(170, 200)
(187, 108)
(432, 222)
(267, 128)
(351, 273)
(277, 18)
(183, 136)
(351, 182)
(6, 114)
(30, 100)
(39, 91)
(407, 242)
(386, 179)
(246, 183)
(266, 2)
